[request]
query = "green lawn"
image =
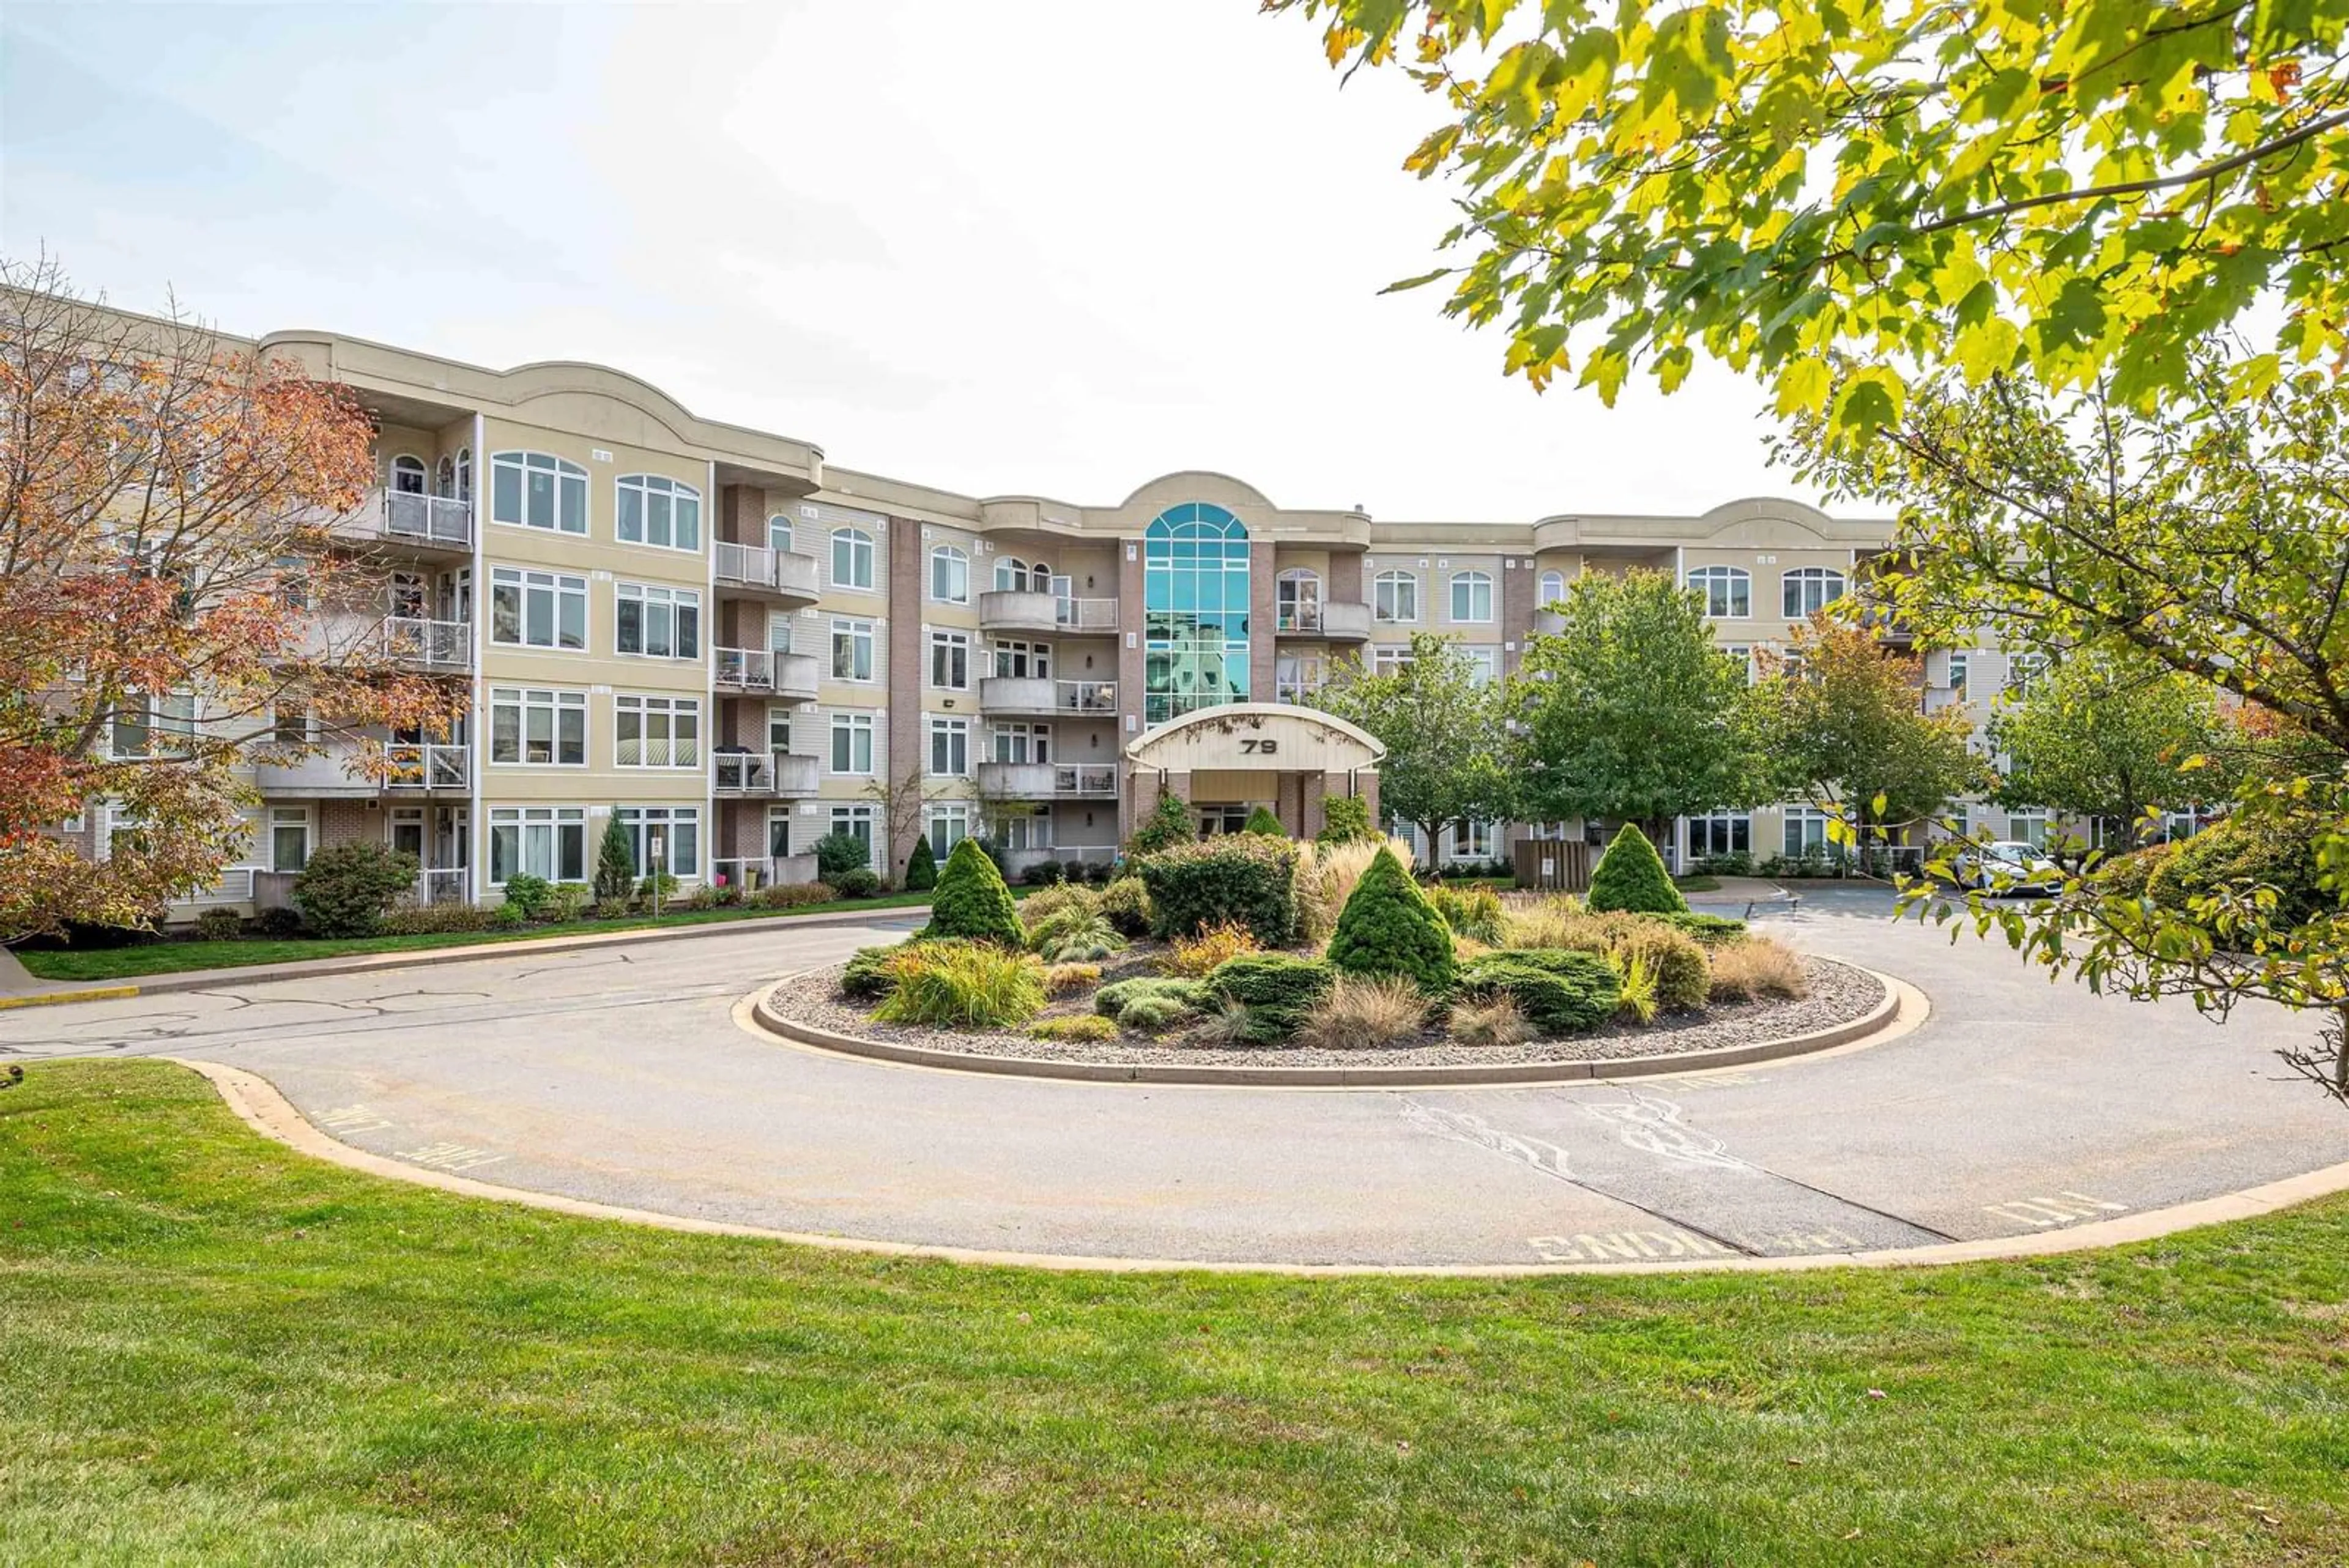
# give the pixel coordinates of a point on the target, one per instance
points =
(171, 957)
(216, 1351)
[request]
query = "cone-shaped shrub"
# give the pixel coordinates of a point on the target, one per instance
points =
(921, 868)
(1630, 876)
(1261, 820)
(972, 902)
(1388, 927)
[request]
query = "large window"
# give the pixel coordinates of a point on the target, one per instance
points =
(950, 747)
(677, 829)
(537, 609)
(779, 533)
(533, 489)
(1297, 599)
(548, 841)
(656, 511)
(1484, 665)
(950, 660)
(1016, 658)
(1552, 591)
(660, 623)
(1728, 591)
(856, 821)
(851, 558)
(1395, 598)
(1196, 600)
(949, 576)
(407, 474)
(536, 728)
(153, 726)
(1723, 833)
(2021, 669)
(1013, 575)
(852, 743)
(1472, 597)
(1023, 742)
(2029, 824)
(949, 826)
(289, 837)
(852, 651)
(1806, 590)
(1805, 833)
(655, 731)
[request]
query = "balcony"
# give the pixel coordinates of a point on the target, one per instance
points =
(1076, 616)
(761, 870)
(448, 885)
(1548, 623)
(1331, 620)
(1047, 781)
(766, 775)
(435, 523)
(429, 644)
(428, 767)
(1028, 696)
(791, 675)
(1046, 614)
(755, 571)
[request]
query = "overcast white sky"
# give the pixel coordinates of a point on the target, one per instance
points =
(1055, 247)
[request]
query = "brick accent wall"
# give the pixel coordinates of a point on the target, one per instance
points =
(1264, 608)
(1520, 586)
(908, 665)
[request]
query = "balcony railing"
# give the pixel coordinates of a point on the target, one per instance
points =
(761, 870)
(1084, 615)
(1036, 694)
(435, 644)
(429, 519)
(1347, 621)
(427, 767)
(763, 773)
(756, 670)
(446, 884)
(1085, 781)
(1017, 863)
(1085, 696)
(234, 887)
(784, 572)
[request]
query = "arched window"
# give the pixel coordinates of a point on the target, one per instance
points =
(534, 490)
(1728, 591)
(1297, 598)
(1394, 597)
(779, 533)
(444, 477)
(1810, 589)
(1195, 602)
(1010, 575)
(658, 511)
(1553, 589)
(851, 558)
(464, 473)
(949, 576)
(407, 474)
(1040, 578)
(1471, 595)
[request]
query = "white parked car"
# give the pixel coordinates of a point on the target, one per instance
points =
(2009, 866)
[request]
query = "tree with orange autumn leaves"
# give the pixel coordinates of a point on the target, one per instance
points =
(171, 588)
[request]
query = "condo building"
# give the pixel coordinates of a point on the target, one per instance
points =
(739, 647)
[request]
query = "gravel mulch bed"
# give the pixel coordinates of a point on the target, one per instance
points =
(1839, 993)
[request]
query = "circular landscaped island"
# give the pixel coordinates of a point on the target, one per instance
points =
(1255, 959)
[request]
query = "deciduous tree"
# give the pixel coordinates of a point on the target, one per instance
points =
(171, 589)
(2109, 740)
(1444, 725)
(1631, 711)
(2000, 185)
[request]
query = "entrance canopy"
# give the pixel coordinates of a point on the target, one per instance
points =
(1271, 737)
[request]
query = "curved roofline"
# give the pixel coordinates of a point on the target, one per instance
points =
(1227, 710)
(1257, 496)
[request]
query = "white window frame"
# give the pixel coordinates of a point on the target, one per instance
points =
(523, 585)
(540, 826)
(1006, 655)
(683, 504)
(946, 647)
(1394, 599)
(779, 533)
(1033, 742)
(777, 713)
(1728, 591)
(678, 720)
(851, 820)
(1798, 586)
(956, 562)
(171, 714)
(1484, 665)
(861, 636)
(297, 818)
(568, 484)
(949, 825)
(676, 606)
(1389, 661)
(1725, 822)
(854, 546)
(2022, 670)
(1961, 674)
(1551, 591)
(849, 728)
(682, 853)
(1473, 581)
(947, 736)
(407, 465)
(524, 701)
(1794, 835)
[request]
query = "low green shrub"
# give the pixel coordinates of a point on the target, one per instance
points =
(1635, 995)
(1712, 931)
(2130, 876)
(1276, 989)
(1364, 1014)
(1472, 911)
(413, 920)
(1242, 877)
(1630, 875)
(1113, 1000)
(568, 901)
(793, 895)
(1388, 927)
(1043, 874)
(857, 882)
(837, 854)
(1149, 1015)
(1261, 820)
(1683, 979)
(1489, 1021)
(1346, 819)
(506, 917)
(219, 926)
(1075, 937)
(1125, 904)
(1068, 978)
(346, 888)
(1036, 908)
(962, 985)
(866, 977)
(528, 894)
(1074, 1026)
(1560, 992)
(278, 924)
(2241, 852)
(972, 902)
(702, 897)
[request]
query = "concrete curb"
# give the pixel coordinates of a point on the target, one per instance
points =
(258, 1104)
(1884, 1017)
(421, 957)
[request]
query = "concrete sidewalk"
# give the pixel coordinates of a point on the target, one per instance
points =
(21, 988)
